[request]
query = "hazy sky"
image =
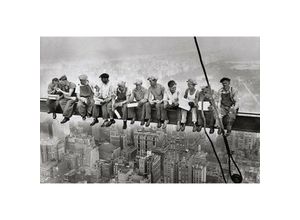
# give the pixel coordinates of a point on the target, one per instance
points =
(69, 48)
(129, 58)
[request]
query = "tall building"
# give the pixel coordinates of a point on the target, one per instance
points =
(106, 169)
(170, 171)
(198, 167)
(145, 141)
(91, 155)
(143, 165)
(115, 138)
(72, 161)
(124, 141)
(108, 151)
(155, 168)
(170, 165)
(49, 149)
(183, 170)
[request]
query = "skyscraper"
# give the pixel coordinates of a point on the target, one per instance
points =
(198, 167)
(145, 141)
(115, 138)
(155, 168)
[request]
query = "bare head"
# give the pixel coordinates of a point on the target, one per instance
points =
(172, 86)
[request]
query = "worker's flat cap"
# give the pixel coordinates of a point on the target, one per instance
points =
(224, 79)
(63, 77)
(83, 77)
(192, 81)
(104, 75)
(121, 83)
(152, 78)
(138, 82)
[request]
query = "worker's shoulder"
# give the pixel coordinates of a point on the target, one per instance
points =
(160, 86)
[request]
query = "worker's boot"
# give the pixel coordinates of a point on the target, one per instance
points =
(199, 127)
(95, 121)
(64, 120)
(182, 127)
(194, 127)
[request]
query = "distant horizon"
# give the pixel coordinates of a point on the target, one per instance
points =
(165, 57)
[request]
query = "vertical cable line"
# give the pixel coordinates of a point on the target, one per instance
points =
(236, 178)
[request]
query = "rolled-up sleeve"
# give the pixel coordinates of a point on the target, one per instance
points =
(50, 89)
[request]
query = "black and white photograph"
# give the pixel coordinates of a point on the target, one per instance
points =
(140, 109)
(150, 109)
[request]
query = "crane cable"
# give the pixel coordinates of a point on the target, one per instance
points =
(236, 178)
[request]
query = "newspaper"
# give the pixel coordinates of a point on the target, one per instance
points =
(132, 105)
(206, 104)
(184, 104)
(53, 97)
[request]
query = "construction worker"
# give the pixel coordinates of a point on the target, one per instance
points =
(171, 102)
(156, 94)
(104, 93)
(206, 96)
(120, 98)
(191, 94)
(85, 98)
(52, 90)
(140, 95)
(228, 104)
(69, 99)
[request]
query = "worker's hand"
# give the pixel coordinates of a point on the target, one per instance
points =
(97, 88)
(58, 90)
(192, 104)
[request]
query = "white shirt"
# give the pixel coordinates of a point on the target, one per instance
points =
(105, 90)
(168, 96)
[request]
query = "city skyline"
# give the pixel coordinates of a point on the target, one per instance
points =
(82, 154)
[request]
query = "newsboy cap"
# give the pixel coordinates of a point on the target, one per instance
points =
(192, 81)
(104, 75)
(138, 82)
(224, 79)
(151, 78)
(121, 83)
(63, 77)
(83, 77)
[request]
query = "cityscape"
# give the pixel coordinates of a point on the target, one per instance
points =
(75, 152)
(78, 153)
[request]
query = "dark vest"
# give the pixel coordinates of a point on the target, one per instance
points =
(226, 99)
(86, 91)
(121, 96)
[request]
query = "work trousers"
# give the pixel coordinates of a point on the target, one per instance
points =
(85, 109)
(228, 116)
(171, 107)
(106, 109)
(145, 108)
(51, 105)
(184, 115)
(159, 107)
(67, 105)
(123, 108)
(209, 115)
